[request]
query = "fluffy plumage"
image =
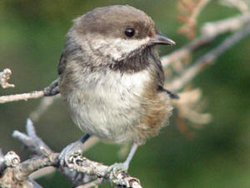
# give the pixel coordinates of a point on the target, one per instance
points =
(111, 82)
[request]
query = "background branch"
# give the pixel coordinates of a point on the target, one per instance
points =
(239, 4)
(45, 103)
(190, 9)
(208, 59)
(209, 31)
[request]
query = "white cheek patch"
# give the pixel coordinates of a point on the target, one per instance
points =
(117, 48)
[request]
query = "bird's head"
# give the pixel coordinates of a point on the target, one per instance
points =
(118, 31)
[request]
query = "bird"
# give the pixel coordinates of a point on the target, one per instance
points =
(112, 79)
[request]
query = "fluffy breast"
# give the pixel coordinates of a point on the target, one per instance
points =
(106, 104)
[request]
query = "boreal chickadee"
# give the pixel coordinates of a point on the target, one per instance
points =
(112, 78)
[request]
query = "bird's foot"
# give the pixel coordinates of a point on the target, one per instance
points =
(67, 152)
(53, 88)
(117, 168)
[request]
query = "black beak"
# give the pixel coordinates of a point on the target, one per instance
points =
(162, 40)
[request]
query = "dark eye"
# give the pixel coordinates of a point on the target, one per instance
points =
(129, 32)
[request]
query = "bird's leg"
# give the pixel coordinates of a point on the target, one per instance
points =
(117, 167)
(130, 155)
(73, 148)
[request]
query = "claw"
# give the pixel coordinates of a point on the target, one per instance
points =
(115, 169)
(75, 147)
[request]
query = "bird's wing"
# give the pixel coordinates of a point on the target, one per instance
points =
(161, 80)
(170, 93)
(62, 63)
(160, 73)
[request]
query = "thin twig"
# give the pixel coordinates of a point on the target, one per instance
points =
(23, 96)
(208, 59)
(222, 26)
(192, 10)
(239, 4)
(209, 32)
(51, 90)
(31, 140)
(42, 107)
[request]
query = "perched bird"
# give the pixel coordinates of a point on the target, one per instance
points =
(112, 79)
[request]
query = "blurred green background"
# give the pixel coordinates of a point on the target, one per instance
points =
(32, 35)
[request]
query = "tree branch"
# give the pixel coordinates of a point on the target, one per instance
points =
(51, 90)
(45, 103)
(31, 140)
(23, 96)
(75, 168)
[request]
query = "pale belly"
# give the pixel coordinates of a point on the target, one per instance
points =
(109, 108)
